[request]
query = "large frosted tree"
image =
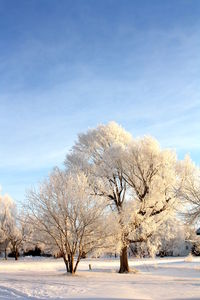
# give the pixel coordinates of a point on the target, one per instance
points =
(136, 177)
(98, 154)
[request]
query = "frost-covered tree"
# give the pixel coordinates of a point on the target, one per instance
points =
(13, 227)
(7, 221)
(172, 238)
(151, 175)
(189, 191)
(98, 154)
(136, 177)
(157, 223)
(20, 234)
(67, 217)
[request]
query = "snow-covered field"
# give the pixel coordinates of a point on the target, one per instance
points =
(173, 278)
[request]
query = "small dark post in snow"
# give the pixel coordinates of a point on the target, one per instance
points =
(90, 267)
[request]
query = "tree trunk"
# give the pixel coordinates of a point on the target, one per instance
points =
(77, 262)
(16, 254)
(5, 253)
(124, 268)
(66, 263)
(71, 264)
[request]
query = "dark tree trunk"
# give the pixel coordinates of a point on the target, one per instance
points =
(5, 253)
(77, 262)
(124, 268)
(16, 254)
(66, 263)
(71, 264)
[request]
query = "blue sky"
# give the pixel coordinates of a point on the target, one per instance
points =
(66, 66)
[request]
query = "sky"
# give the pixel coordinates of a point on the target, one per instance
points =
(67, 66)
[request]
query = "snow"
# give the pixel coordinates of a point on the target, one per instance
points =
(167, 278)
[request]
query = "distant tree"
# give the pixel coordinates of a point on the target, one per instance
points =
(14, 230)
(35, 251)
(172, 238)
(7, 221)
(20, 234)
(189, 191)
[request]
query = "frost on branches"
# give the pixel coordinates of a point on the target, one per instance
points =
(136, 177)
(98, 154)
(116, 193)
(172, 238)
(13, 229)
(69, 217)
(189, 191)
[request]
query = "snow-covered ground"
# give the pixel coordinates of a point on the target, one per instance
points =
(173, 278)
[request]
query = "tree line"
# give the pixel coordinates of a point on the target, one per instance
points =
(114, 192)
